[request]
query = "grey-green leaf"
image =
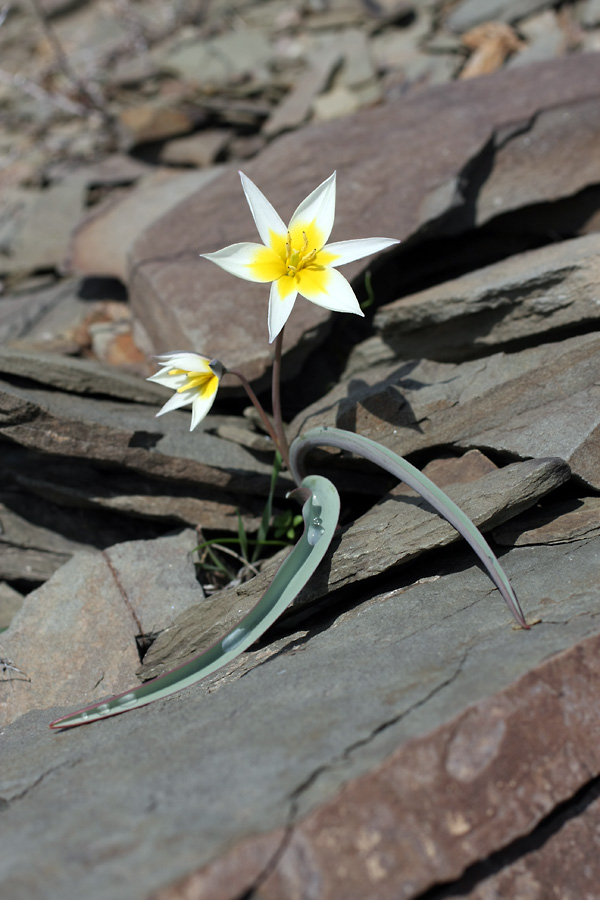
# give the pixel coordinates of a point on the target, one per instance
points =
(400, 468)
(321, 513)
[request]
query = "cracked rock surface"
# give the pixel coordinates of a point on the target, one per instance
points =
(392, 735)
(316, 709)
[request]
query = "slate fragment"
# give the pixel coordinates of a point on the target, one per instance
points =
(537, 402)
(180, 301)
(556, 523)
(76, 635)
(533, 294)
(125, 434)
(389, 688)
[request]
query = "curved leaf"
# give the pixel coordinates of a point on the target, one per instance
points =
(400, 468)
(321, 513)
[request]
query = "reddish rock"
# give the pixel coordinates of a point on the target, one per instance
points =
(387, 186)
(441, 802)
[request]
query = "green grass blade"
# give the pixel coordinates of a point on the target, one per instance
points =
(267, 511)
(400, 468)
(321, 513)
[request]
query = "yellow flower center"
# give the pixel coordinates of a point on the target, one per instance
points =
(197, 380)
(296, 260)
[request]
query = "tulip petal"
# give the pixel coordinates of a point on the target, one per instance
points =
(267, 220)
(202, 403)
(189, 362)
(281, 303)
(176, 402)
(315, 215)
(252, 262)
(328, 288)
(342, 252)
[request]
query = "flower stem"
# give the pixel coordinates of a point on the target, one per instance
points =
(284, 450)
(276, 399)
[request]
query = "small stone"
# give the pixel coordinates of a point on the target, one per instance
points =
(468, 13)
(133, 589)
(144, 124)
(334, 104)
(43, 239)
(31, 552)
(199, 150)
(295, 108)
(11, 602)
(101, 242)
(556, 523)
(590, 14)
(529, 294)
(219, 60)
(492, 43)
(358, 68)
(80, 376)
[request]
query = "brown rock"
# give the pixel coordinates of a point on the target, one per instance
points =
(562, 862)
(452, 470)
(528, 295)
(295, 108)
(394, 193)
(199, 150)
(441, 802)
(557, 523)
(492, 43)
(541, 401)
(143, 124)
(131, 589)
(101, 242)
(11, 602)
(108, 432)
(386, 835)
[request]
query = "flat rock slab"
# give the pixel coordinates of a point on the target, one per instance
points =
(79, 376)
(101, 241)
(132, 589)
(387, 186)
(391, 534)
(529, 295)
(159, 792)
(542, 401)
(130, 435)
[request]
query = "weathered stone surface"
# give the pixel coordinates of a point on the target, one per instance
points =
(20, 311)
(113, 432)
(295, 109)
(569, 520)
(392, 669)
(11, 602)
(101, 242)
(128, 590)
(184, 302)
(199, 150)
(491, 43)
(547, 159)
(469, 13)
(79, 376)
(224, 58)
(142, 124)
(564, 860)
(452, 470)
(42, 241)
(31, 552)
(393, 533)
(530, 294)
(539, 402)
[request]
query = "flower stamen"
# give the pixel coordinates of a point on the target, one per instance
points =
(296, 260)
